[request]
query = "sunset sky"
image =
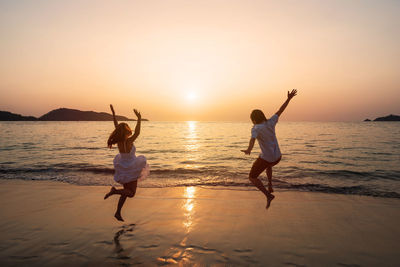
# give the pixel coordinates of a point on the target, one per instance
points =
(202, 60)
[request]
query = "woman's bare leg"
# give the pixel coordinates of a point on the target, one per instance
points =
(114, 191)
(269, 175)
(261, 187)
(121, 202)
(128, 191)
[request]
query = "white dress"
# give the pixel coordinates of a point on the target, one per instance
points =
(130, 168)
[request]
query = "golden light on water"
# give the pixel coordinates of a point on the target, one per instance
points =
(191, 145)
(189, 191)
(191, 138)
(188, 207)
(192, 128)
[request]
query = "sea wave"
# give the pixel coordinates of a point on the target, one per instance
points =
(220, 170)
(347, 182)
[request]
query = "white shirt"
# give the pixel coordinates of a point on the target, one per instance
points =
(265, 135)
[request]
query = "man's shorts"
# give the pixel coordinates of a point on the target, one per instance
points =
(260, 165)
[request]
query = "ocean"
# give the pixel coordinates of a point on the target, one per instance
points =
(360, 158)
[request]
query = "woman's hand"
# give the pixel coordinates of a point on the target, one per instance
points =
(291, 94)
(247, 152)
(137, 113)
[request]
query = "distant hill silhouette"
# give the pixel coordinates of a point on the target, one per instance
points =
(390, 117)
(64, 114)
(8, 116)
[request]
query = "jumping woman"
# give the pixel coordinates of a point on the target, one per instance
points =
(128, 167)
(264, 131)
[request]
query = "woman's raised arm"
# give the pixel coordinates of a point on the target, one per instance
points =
(289, 97)
(137, 128)
(113, 113)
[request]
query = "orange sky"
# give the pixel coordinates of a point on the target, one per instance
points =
(202, 60)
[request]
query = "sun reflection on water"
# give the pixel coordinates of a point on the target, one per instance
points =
(188, 207)
(191, 145)
(191, 139)
(192, 125)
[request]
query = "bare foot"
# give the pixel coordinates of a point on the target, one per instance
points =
(270, 189)
(112, 191)
(269, 200)
(118, 217)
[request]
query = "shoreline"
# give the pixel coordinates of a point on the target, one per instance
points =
(50, 223)
(247, 188)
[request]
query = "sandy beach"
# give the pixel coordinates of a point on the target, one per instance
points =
(53, 224)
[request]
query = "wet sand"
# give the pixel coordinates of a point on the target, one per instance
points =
(56, 224)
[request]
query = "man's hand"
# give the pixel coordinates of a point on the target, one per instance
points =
(137, 113)
(247, 152)
(291, 94)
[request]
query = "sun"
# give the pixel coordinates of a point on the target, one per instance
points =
(191, 96)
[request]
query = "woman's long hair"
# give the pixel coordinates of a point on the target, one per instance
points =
(118, 135)
(257, 116)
